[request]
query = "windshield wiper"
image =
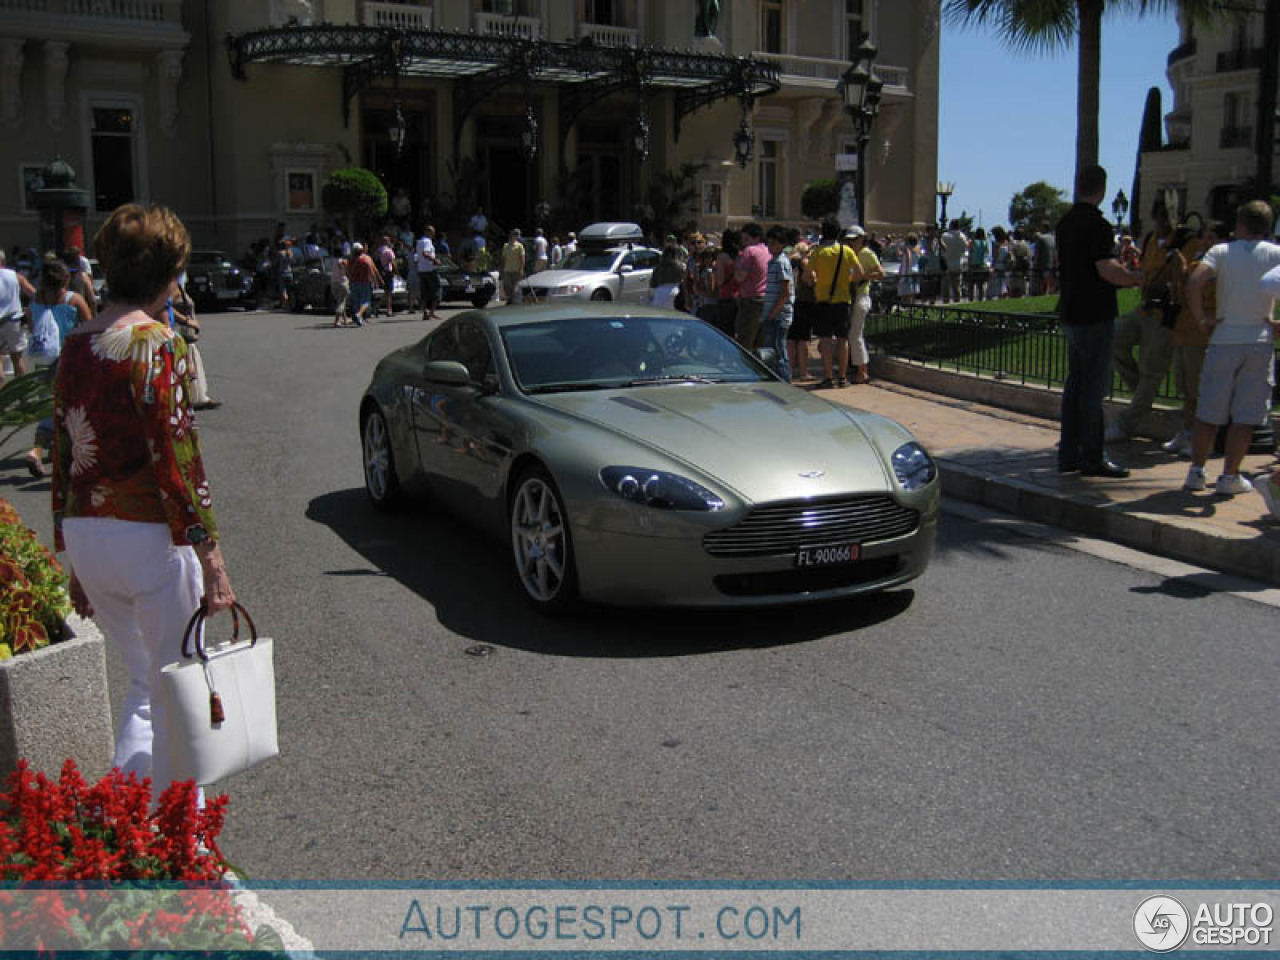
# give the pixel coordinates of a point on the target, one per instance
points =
(673, 378)
(567, 387)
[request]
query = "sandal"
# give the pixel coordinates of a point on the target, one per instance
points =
(35, 466)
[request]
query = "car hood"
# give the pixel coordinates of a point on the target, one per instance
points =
(556, 278)
(766, 441)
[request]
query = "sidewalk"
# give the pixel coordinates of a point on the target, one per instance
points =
(1008, 461)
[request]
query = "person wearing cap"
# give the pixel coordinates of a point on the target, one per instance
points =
(869, 265)
(836, 271)
(779, 302)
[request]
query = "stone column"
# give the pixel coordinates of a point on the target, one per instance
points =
(55, 82)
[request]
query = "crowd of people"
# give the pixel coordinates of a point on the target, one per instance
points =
(1208, 300)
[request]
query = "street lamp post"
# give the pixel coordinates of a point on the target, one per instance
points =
(1120, 207)
(861, 90)
(945, 190)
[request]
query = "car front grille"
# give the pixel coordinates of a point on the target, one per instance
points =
(780, 583)
(538, 292)
(781, 528)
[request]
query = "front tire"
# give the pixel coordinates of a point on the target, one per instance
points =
(541, 545)
(380, 480)
(601, 296)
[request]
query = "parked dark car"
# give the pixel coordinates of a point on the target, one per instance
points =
(214, 282)
(475, 287)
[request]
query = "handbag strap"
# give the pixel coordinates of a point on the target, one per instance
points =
(195, 628)
(836, 275)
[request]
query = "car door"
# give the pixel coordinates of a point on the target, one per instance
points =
(461, 438)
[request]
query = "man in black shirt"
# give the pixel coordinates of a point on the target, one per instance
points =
(1089, 274)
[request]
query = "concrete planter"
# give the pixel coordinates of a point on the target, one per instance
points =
(54, 704)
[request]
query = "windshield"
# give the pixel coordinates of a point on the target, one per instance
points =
(581, 260)
(595, 353)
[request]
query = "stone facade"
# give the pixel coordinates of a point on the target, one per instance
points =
(138, 96)
(1209, 155)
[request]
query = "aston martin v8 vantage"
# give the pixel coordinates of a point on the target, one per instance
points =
(635, 456)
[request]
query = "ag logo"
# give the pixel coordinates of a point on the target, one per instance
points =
(1161, 924)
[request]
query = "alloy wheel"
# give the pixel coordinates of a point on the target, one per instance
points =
(540, 540)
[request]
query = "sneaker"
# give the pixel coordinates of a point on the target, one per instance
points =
(841, 382)
(825, 385)
(1116, 433)
(1270, 491)
(1180, 444)
(1229, 484)
(1195, 478)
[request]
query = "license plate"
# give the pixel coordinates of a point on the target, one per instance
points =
(827, 556)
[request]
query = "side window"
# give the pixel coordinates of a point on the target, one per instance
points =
(444, 344)
(473, 350)
(646, 259)
(628, 261)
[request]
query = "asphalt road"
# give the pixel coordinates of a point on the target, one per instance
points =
(1025, 711)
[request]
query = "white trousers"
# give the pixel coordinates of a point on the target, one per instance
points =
(199, 383)
(858, 356)
(143, 590)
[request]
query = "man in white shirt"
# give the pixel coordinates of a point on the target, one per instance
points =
(571, 245)
(557, 253)
(13, 333)
(955, 246)
(1237, 382)
(540, 251)
(426, 261)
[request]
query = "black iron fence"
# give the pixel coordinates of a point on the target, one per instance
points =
(1018, 348)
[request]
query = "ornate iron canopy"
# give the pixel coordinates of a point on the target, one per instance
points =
(480, 65)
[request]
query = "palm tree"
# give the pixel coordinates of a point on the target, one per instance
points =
(1053, 24)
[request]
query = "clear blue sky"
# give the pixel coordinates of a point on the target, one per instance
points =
(1008, 118)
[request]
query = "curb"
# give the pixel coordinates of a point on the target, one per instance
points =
(1109, 522)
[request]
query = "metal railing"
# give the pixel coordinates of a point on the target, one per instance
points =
(503, 25)
(1248, 59)
(400, 16)
(1027, 349)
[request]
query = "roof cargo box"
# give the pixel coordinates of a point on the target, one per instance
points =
(610, 235)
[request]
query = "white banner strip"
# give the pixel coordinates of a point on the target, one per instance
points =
(610, 919)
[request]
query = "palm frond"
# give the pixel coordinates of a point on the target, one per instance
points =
(1024, 25)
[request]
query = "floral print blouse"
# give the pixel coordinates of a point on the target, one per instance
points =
(125, 443)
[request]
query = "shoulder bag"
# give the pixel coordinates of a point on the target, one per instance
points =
(221, 701)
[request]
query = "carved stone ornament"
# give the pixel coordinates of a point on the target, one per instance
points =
(10, 82)
(55, 83)
(168, 75)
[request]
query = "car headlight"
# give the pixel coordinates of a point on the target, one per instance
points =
(568, 289)
(659, 489)
(913, 467)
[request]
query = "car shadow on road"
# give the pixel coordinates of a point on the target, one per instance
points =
(465, 575)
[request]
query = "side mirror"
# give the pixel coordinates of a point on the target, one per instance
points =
(626, 268)
(448, 372)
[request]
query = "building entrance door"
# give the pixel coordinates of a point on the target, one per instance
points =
(509, 203)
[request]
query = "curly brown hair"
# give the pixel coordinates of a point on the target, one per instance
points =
(141, 249)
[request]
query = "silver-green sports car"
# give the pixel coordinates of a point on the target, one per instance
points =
(636, 456)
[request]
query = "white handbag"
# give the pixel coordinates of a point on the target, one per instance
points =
(221, 702)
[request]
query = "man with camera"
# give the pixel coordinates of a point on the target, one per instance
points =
(1150, 329)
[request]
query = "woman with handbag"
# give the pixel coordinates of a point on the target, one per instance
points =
(131, 504)
(182, 318)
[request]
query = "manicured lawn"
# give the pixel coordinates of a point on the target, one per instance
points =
(1127, 299)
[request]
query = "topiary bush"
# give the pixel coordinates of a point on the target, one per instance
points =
(355, 195)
